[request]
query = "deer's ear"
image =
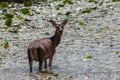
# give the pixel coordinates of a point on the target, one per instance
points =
(64, 22)
(52, 22)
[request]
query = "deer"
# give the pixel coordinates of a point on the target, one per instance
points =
(44, 49)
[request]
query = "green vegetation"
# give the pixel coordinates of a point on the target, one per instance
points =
(6, 45)
(28, 3)
(8, 22)
(9, 15)
(70, 76)
(111, 45)
(46, 33)
(88, 57)
(14, 30)
(4, 10)
(55, 75)
(81, 23)
(4, 4)
(0, 57)
(68, 13)
(88, 10)
(20, 17)
(67, 1)
(59, 6)
(63, 4)
(115, 0)
(92, 1)
(100, 3)
(118, 52)
(25, 11)
(45, 75)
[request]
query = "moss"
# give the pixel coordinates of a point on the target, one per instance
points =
(4, 10)
(81, 23)
(20, 17)
(0, 57)
(4, 4)
(55, 75)
(9, 15)
(59, 6)
(28, 3)
(6, 45)
(46, 33)
(14, 30)
(100, 3)
(68, 13)
(25, 11)
(45, 75)
(67, 1)
(88, 57)
(118, 52)
(115, 0)
(111, 45)
(8, 22)
(88, 10)
(92, 1)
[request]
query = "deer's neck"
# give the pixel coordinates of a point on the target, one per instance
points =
(56, 38)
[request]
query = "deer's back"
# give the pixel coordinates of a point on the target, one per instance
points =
(45, 46)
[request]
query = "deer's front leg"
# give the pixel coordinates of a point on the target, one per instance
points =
(50, 61)
(45, 65)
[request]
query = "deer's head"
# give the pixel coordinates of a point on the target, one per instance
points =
(59, 27)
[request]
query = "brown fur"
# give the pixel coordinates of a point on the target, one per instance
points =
(43, 49)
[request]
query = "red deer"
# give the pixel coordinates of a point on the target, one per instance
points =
(43, 49)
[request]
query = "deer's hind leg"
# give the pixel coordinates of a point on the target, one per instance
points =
(30, 60)
(40, 58)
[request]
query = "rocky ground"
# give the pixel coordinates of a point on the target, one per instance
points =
(89, 48)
